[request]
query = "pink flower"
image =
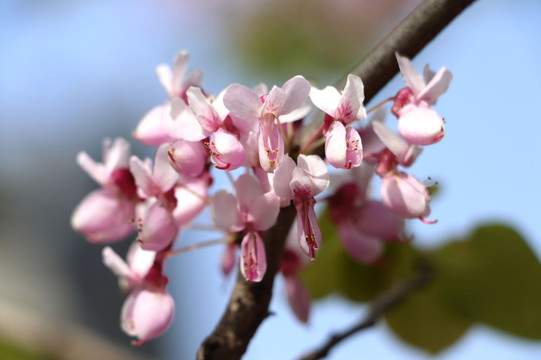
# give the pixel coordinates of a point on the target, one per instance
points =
(155, 222)
(301, 182)
(148, 309)
(226, 151)
(152, 129)
(147, 313)
(105, 214)
(405, 195)
(346, 107)
(363, 224)
(131, 273)
(400, 192)
(278, 106)
(417, 122)
(343, 147)
(253, 211)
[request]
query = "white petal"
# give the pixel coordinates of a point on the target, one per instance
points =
(95, 170)
(315, 168)
(412, 78)
(183, 124)
(242, 101)
(115, 263)
(437, 86)
(165, 76)
(140, 261)
(179, 69)
(282, 178)
(296, 90)
(143, 178)
(326, 100)
(164, 175)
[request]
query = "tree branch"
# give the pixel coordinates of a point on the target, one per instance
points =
(249, 302)
(385, 302)
(248, 305)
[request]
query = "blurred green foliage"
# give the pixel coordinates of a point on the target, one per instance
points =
(490, 277)
(10, 351)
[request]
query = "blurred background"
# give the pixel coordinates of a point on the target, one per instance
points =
(75, 72)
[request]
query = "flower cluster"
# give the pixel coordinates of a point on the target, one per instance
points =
(256, 131)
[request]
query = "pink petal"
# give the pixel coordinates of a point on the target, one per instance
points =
(253, 262)
(298, 298)
(157, 229)
(308, 231)
(152, 130)
(437, 86)
(264, 211)
(191, 200)
(188, 158)
(115, 263)
(343, 147)
(147, 313)
(271, 144)
(296, 91)
(116, 155)
(226, 151)
(296, 114)
(183, 124)
(224, 212)
(103, 217)
(314, 167)
(139, 260)
(335, 145)
(248, 189)
(350, 107)
(242, 102)
(95, 170)
(377, 220)
(361, 247)
(229, 258)
(143, 178)
(327, 100)
(405, 195)
(404, 152)
(274, 102)
(206, 115)
(412, 78)
(163, 175)
(420, 125)
(282, 178)
(165, 77)
(179, 69)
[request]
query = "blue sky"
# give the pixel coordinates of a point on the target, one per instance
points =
(72, 73)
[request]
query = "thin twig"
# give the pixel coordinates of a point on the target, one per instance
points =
(385, 302)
